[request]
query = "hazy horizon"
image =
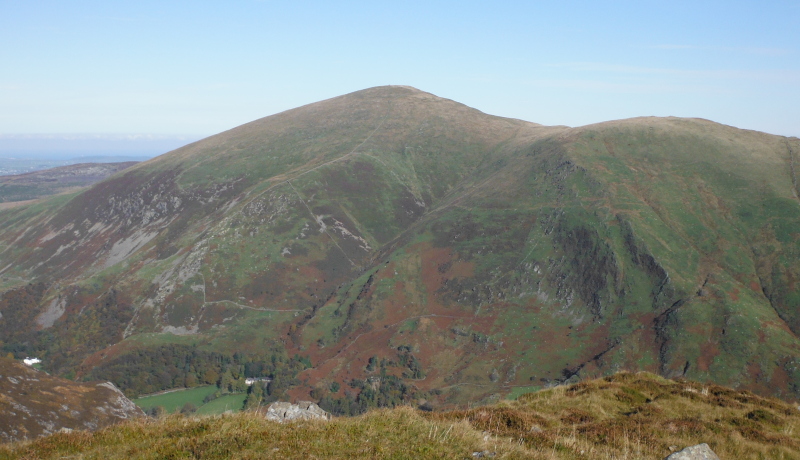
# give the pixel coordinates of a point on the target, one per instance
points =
(154, 67)
(90, 146)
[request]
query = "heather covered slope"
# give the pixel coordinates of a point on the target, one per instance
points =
(392, 236)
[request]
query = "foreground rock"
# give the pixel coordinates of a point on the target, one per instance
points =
(33, 403)
(287, 412)
(698, 452)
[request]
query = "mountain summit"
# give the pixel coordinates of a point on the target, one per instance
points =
(391, 240)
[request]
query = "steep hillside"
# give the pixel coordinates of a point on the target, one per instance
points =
(35, 404)
(393, 243)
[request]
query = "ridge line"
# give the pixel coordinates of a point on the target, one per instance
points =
(352, 152)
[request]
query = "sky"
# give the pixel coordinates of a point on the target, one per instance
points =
(192, 69)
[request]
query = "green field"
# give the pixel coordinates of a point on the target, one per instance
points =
(173, 401)
(223, 404)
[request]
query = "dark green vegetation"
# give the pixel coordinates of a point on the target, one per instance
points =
(37, 184)
(157, 368)
(624, 416)
(470, 254)
(223, 378)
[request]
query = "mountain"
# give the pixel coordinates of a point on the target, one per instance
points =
(35, 404)
(390, 242)
(52, 181)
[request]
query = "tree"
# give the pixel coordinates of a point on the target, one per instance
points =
(373, 361)
(239, 386)
(188, 408)
(226, 381)
(254, 396)
(317, 393)
(157, 411)
(210, 377)
(211, 397)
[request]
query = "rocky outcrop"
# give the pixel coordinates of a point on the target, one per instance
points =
(287, 412)
(698, 452)
(33, 403)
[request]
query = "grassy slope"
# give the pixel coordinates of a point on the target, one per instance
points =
(625, 416)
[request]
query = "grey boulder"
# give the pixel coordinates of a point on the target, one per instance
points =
(698, 452)
(287, 412)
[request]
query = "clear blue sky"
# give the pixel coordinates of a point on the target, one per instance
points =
(203, 67)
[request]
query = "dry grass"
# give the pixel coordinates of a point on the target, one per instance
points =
(626, 416)
(632, 416)
(398, 433)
